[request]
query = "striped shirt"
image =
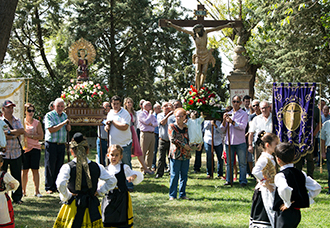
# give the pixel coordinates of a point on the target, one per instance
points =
(52, 119)
(13, 150)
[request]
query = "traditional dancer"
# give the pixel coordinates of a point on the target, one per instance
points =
(77, 183)
(262, 214)
(117, 210)
(7, 183)
(294, 189)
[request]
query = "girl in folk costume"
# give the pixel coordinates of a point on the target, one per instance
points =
(262, 214)
(77, 183)
(7, 183)
(117, 210)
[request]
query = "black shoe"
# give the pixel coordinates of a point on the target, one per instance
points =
(18, 202)
(227, 183)
(167, 170)
(158, 176)
(196, 171)
(243, 185)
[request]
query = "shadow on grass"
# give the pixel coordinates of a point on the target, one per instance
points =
(37, 212)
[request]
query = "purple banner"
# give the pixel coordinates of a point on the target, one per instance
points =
(293, 110)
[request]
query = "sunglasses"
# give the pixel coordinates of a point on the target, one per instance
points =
(256, 105)
(30, 110)
(236, 102)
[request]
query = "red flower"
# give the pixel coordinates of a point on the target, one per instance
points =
(208, 92)
(106, 88)
(203, 87)
(204, 98)
(191, 102)
(193, 97)
(63, 96)
(95, 93)
(190, 92)
(212, 95)
(203, 102)
(92, 95)
(199, 100)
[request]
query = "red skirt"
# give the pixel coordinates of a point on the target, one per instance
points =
(11, 224)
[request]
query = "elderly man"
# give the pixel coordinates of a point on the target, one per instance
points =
(237, 120)
(157, 110)
(260, 123)
(56, 126)
(13, 152)
(147, 122)
(255, 109)
(102, 137)
(176, 104)
(164, 141)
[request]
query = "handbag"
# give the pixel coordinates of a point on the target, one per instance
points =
(19, 142)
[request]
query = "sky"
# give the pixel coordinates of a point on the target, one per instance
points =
(227, 66)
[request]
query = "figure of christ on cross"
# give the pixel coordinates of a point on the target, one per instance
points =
(203, 56)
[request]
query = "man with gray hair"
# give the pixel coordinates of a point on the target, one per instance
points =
(56, 126)
(260, 123)
(147, 122)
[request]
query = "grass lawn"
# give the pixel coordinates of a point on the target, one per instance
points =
(211, 204)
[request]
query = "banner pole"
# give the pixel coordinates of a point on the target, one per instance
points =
(320, 124)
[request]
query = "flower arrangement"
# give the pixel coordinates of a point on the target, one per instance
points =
(205, 100)
(93, 94)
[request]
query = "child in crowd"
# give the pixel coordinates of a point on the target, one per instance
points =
(77, 184)
(262, 214)
(117, 210)
(294, 189)
(194, 124)
(7, 183)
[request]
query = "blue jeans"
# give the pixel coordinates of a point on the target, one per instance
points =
(218, 151)
(240, 150)
(127, 160)
(179, 168)
(328, 166)
(198, 159)
(103, 145)
(154, 161)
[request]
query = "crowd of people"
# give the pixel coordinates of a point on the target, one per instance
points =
(163, 138)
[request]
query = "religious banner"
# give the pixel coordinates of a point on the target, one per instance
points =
(14, 90)
(293, 109)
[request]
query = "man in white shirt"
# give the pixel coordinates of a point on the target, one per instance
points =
(118, 122)
(260, 123)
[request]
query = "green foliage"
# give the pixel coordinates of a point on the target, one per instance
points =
(292, 41)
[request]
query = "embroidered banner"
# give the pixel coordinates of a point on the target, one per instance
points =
(293, 108)
(14, 90)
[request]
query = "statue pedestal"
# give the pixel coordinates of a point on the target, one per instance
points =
(239, 84)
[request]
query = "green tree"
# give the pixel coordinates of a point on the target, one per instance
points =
(36, 23)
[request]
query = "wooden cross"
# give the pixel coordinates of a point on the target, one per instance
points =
(200, 13)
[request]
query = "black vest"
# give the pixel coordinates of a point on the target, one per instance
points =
(296, 180)
(95, 174)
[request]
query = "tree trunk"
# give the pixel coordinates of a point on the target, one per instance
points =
(7, 14)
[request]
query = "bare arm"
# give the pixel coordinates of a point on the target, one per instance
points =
(164, 121)
(228, 25)
(58, 126)
(170, 24)
(250, 139)
(120, 126)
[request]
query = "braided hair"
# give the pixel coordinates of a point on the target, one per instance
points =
(264, 137)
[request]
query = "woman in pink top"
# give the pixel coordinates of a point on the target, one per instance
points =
(31, 158)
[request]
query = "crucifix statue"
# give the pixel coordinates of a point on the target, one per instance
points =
(203, 56)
